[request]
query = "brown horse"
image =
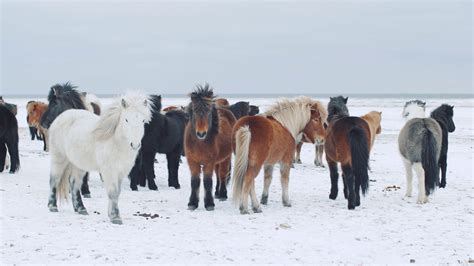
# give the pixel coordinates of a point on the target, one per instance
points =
(373, 119)
(264, 141)
(221, 102)
(347, 142)
(172, 108)
(35, 110)
(207, 141)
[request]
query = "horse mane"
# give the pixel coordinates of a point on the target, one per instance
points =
(337, 108)
(61, 97)
(442, 114)
(110, 118)
(417, 103)
(202, 101)
(292, 114)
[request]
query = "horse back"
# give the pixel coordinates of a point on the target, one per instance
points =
(337, 146)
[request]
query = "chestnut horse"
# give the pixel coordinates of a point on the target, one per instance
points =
(221, 102)
(322, 115)
(265, 140)
(35, 111)
(347, 142)
(207, 145)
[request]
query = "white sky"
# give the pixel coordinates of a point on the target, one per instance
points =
(238, 47)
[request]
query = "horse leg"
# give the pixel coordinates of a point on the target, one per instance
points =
(222, 177)
(319, 150)
(349, 176)
(12, 146)
(346, 189)
(253, 196)
(285, 179)
(3, 154)
(334, 179)
(420, 172)
(75, 181)
(135, 175)
(45, 140)
(207, 180)
(195, 170)
(113, 187)
(85, 186)
(298, 152)
(443, 164)
(218, 182)
(173, 167)
(409, 175)
(247, 187)
(268, 175)
(149, 169)
(32, 132)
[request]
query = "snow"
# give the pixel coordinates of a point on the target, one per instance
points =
(385, 229)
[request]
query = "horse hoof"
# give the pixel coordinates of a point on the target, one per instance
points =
(264, 200)
(257, 210)
(222, 198)
(134, 189)
(209, 208)
(88, 195)
(286, 204)
(178, 186)
(53, 209)
(244, 211)
(116, 220)
(192, 207)
(332, 196)
(83, 212)
(351, 207)
(442, 185)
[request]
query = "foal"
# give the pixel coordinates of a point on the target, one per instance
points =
(208, 146)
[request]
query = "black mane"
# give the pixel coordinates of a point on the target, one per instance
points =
(444, 116)
(417, 102)
(337, 108)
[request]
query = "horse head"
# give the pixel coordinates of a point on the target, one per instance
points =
(337, 107)
(445, 114)
(202, 111)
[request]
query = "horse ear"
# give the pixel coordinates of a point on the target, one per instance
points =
(345, 99)
(56, 92)
(125, 104)
(452, 107)
(423, 104)
(380, 113)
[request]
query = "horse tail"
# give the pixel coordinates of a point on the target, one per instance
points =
(360, 156)
(62, 189)
(429, 160)
(242, 144)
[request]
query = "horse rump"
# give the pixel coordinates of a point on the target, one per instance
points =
(429, 161)
(360, 156)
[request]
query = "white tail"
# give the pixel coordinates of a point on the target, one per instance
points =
(242, 143)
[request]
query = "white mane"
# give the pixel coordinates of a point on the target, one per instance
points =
(292, 114)
(413, 110)
(110, 118)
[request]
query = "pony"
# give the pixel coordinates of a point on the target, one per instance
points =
(444, 116)
(240, 109)
(35, 111)
(265, 140)
(419, 143)
(163, 134)
(319, 147)
(347, 143)
(207, 146)
(9, 139)
(221, 102)
(12, 107)
(173, 108)
(254, 110)
(113, 141)
(373, 119)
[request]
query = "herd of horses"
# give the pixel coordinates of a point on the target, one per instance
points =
(123, 139)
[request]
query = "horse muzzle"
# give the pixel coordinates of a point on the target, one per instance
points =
(201, 135)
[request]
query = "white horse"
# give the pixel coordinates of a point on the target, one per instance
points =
(81, 142)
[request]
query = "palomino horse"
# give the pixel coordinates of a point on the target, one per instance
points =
(207, 145)
(264, 141)
(373, 119)
(35, 111)
(419, 143)
(444, 116)
(347, 142)
(82, 142)
(322, 115)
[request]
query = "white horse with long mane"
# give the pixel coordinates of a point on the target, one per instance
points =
(81, 142)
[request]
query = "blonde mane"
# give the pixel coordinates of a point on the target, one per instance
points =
(110, 119)
(294, 114)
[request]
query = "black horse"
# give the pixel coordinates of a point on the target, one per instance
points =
(63, 97)
(8, 138)
(444, 116)
(164, 134)
(240, 109)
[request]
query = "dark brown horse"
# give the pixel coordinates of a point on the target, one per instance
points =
(264, 141)
(208, 146)
(347, 143)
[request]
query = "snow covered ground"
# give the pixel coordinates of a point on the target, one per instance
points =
(385, 229)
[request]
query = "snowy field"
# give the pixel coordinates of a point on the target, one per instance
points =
(386, 228)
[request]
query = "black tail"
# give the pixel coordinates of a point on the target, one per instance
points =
(429, 161)
(360, 157)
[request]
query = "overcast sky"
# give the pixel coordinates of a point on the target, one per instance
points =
(238, 47)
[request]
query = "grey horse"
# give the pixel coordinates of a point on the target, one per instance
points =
(419, 143)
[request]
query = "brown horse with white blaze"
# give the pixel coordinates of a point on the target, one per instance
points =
(208, 146)
(265, 140)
